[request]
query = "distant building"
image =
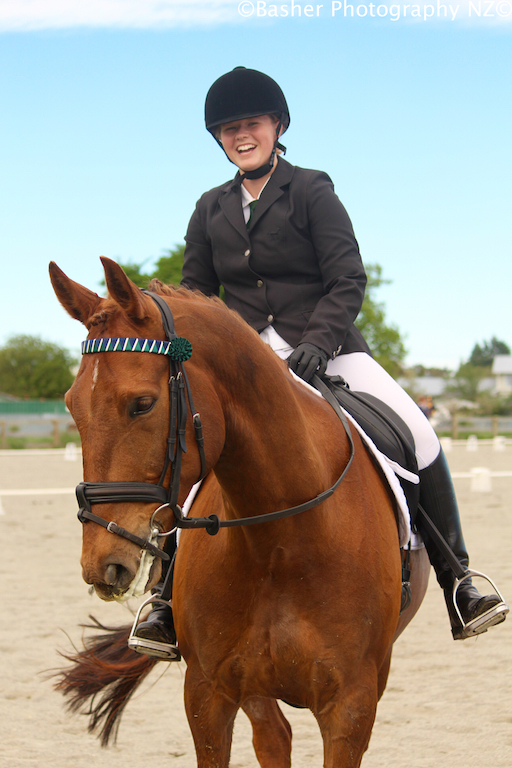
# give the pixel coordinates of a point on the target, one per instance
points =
(435, 386)
(502, 373)
(429, 386)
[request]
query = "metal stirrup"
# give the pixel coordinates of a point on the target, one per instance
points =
(154, 648)
(481, 623)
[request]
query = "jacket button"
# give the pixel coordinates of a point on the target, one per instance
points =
(247, 253)
(260, 283)
(270, 318)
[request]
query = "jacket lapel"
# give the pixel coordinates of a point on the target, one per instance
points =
(231, 205)
(274, 189)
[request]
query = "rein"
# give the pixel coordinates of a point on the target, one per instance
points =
(178, 350)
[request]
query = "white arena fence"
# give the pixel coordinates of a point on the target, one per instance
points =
(472, 443)
(71, 452)
(480, 477)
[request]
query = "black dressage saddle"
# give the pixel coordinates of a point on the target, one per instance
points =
(385, 428)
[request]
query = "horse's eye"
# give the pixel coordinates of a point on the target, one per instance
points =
(142, 405)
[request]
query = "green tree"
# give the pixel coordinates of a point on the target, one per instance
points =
(135, 273)
(420, 370)
(485, 354)
(466, 382)
(167, 268)
(33, 368)
(494, 405)
(384, 340)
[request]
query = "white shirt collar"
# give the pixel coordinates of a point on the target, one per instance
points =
(248, 198)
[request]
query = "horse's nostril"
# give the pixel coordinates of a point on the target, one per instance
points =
(111, 575)
(118, 576)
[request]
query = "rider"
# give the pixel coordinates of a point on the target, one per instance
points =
(280, 242)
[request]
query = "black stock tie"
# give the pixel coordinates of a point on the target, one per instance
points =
(252, 206)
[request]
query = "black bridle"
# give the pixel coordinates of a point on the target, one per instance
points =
(177, 350)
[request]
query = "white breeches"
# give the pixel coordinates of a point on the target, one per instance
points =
(364, 374)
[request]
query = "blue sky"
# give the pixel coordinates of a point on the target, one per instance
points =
(103, 148)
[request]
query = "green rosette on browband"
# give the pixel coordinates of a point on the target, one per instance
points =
(180, 350)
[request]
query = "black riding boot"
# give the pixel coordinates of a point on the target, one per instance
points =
(437, 497)
(156, 635)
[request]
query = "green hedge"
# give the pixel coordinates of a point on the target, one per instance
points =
(32, 407)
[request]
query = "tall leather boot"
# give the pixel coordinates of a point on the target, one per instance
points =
(437, 497)
(156, 636)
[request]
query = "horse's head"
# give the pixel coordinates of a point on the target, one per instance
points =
(120, 403)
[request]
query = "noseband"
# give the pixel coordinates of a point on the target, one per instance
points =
(177, 350)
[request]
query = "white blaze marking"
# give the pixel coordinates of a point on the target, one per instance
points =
(95, 373)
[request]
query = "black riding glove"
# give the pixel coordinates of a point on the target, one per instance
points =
(307, 360)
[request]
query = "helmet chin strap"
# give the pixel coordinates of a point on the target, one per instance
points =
(268, 167)
(263, 169)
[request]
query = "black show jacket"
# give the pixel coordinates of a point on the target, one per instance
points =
(297, 266)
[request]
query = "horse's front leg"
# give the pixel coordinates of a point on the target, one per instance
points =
(346, 722)
(271, 732)
(210, 716)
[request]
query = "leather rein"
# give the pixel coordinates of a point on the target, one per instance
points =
(177, 350)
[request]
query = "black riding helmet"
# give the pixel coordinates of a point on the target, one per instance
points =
(244, 93)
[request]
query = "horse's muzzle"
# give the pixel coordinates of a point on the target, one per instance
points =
(113, 583)
(109, 578)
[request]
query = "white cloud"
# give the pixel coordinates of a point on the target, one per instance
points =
(21, 15)
(59, 14)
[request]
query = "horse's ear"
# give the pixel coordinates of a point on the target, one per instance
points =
(129, 297)
(79, 302)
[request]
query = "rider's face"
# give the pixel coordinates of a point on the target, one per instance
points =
(248, 143)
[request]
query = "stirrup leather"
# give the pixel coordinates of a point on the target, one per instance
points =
(154, 648)
(482, 623)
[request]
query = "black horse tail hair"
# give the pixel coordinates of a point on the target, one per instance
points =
(102, 678)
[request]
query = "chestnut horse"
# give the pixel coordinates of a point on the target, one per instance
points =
(304, 609)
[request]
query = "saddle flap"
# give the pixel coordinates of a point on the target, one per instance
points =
(384, 427)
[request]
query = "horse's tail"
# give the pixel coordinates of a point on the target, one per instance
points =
(102, 678)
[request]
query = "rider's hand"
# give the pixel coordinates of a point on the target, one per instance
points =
(307, 360)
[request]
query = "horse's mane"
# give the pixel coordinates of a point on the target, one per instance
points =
(194, 296)
(162, 289)
(110, 308)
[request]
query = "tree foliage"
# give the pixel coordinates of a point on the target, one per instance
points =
(167, 268)
(485, 354)
(384, 340)
(466, 384)
(490, 404)
(33, 368)
(422, 370)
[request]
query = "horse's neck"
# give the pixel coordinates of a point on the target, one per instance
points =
(277, 444)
